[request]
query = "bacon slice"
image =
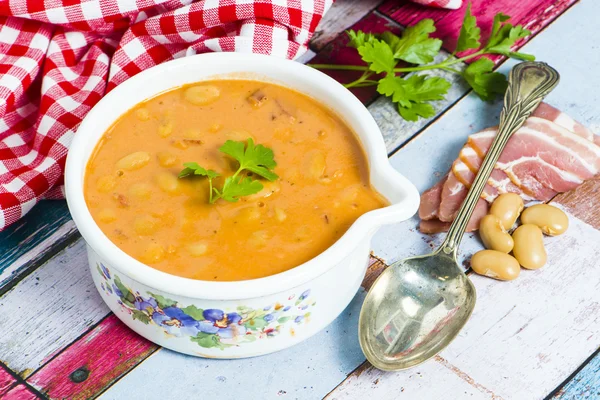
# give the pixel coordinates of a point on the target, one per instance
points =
(551, 153)
(498, 179)
(547, 112)
(543, 154)
(435, 225)
(430, 201)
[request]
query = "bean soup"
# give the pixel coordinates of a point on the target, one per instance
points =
(271, 179)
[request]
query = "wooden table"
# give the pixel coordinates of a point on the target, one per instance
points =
(533, 338)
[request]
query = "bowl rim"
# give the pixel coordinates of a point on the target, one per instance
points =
(362, 229)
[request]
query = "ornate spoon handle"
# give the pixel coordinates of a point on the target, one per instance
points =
(528, 84)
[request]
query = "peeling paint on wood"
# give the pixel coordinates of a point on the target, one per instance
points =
(340, 17)
(20, 392)
(7, 381)
(48, 310)
(375, 269)
(584, 386)
(93, 362)
(583, 202)
(29, 240)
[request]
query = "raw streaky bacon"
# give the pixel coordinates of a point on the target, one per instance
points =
(547, 112)
(435, 225)
(466, 176)
(501, 181)
(544, 154)
(550, 154)
(498, 179)
(453, 194)
(430, 201)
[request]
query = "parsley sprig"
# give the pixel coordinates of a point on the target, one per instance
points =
(256, 159)
(413, 94)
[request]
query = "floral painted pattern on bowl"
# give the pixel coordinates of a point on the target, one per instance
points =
(210, 327)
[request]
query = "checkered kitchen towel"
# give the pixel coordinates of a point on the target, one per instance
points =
(59, 57)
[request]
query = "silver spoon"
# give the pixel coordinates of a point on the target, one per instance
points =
(418, 305)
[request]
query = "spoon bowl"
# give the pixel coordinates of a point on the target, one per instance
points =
(426, 302)
(419, 305)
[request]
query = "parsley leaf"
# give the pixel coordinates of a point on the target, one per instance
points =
(391, 39)
(415, 46)
(424, 110)
(393, 86)
(236, 187)
(504, 36)
(192, 168)
(359, 38)
(378, 55)
(485, 83)
(413, 93)
(255, 158)
(469, 33)
(382, 52)
(498, 20)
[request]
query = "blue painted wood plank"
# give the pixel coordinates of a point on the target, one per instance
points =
(585, 385)
(308, 370)
(40, 233)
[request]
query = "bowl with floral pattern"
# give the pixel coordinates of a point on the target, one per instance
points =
(240, 318)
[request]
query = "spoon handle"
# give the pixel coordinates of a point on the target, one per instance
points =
(528, 84)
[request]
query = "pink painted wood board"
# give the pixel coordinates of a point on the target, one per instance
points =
(93, 362)
(337, 52)
(7, 381)
(532, 14)
(20, 392)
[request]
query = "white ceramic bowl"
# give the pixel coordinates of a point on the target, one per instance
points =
(244, 318)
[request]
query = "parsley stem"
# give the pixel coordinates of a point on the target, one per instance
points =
(451, 70)
(339, 67)
(443, 65)
(363, 84)
(210, 188)
(359, 82)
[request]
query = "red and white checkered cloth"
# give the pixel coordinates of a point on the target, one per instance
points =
(59, 57)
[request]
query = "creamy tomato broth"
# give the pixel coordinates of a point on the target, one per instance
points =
(134, 194)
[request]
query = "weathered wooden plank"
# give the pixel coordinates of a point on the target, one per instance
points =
(41, 232)
(48, 310)
(371, 383)
(20, 392)
(548, 334)
(306, 371)
(583, 202)
(93, 362)
(533, 15)
(341, 15)
(7, 381)
(306, 57)
(339, 54)
(584, 386)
